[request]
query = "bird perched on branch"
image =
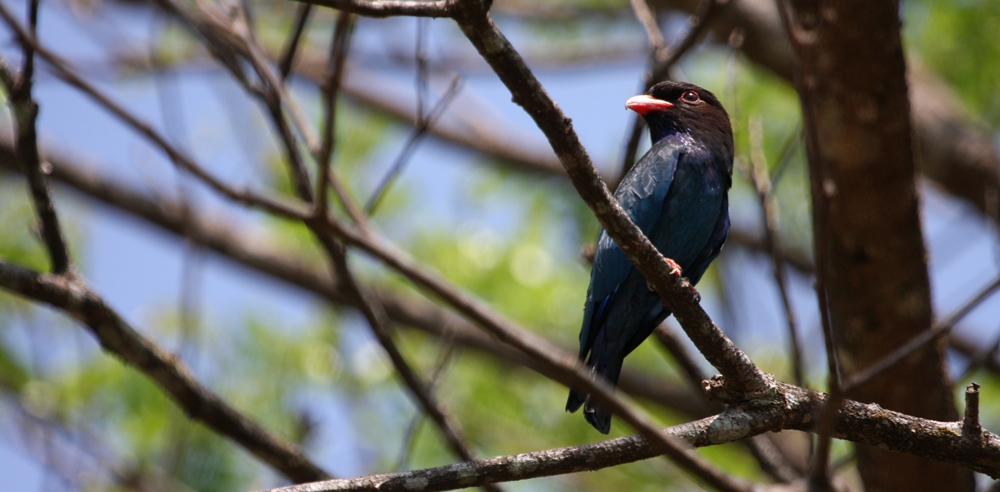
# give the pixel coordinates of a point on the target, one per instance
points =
(677, 196)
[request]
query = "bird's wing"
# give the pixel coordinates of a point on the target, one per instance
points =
(641, 194)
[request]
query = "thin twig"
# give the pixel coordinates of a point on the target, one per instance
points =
(978, 358)
(788, 149)
(915, 343)
(354, 211)
(418, 133)
(291, 48)
(762, 182)
(661, 61)
(675, 346)
(375, 314)
(423, 70)
(331, 90)
(28, 63)
(25, 112)
(772, 459)
(411, 431)
(648, 20)
(63, 72)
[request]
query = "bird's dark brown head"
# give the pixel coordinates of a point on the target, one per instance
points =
(672, 108)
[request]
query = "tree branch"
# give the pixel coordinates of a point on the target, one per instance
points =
(63, 71)
(867, 423)
(390, 8)
(527, 92)
(251, 252)
(71, 295)
(25, 112)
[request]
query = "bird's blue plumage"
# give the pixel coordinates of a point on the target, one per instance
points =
(677, 195)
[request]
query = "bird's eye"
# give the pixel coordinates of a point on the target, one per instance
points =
(691, 97)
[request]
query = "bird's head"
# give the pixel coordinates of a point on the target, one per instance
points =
(672, 108)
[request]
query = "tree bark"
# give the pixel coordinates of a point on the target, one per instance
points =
(852, 83)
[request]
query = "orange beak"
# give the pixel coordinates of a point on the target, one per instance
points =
(644, 104)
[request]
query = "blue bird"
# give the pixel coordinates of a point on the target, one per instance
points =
(677, 194)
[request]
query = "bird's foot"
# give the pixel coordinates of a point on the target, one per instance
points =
(675, 269)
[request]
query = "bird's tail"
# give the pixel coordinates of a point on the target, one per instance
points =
(597, 416)
(575, 400)
(609, 367)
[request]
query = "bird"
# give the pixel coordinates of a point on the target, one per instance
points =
(677, 194)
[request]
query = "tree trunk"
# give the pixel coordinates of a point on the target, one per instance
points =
(852, 84)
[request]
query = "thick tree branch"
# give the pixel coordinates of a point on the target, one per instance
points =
(528, 93)
(390, 8)
(71, 295)
(856, 422)
(873, 265)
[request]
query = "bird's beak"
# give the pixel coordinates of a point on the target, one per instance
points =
(645, 103)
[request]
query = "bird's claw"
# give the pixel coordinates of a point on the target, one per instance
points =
(675, 269)
(694, 292)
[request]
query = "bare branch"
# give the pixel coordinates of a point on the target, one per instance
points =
(675, 346)
(377, 318)
(922, 339)
(647, 18)
(391, 8)
(63, 71)
(867, 423)
(559, 461)
(662, 60)
(74, 297)
(529, 93)
(331, 91)
(415, 137)
(762, 182)
(288, 55)
(972, 429)
(25, 112)
(250, 251)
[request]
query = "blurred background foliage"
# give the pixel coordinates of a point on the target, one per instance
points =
(512, 239)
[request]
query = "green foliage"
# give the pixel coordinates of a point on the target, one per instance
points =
(19, 243)
(958, 40)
